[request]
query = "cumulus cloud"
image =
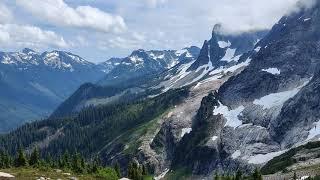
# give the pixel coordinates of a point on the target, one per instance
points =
(29, 36)
(241, 15)
(303, 4)
(60, 14)
(149, 24)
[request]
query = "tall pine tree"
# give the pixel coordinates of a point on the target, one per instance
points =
(21, 159)
(34, 158)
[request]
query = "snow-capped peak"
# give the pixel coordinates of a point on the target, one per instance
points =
(53, 59)
(185, 52)
(136, 59)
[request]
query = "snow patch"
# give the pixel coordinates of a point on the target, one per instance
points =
(304, 178)
(182, 72)
(229, 55)
(307, 19)
(214, 138)
(257, 49)
(263, 158)
(315, 131)
(7, 60)
(189, 55)
(53, 59)
(224, 44)
(274, 71)
(185, 131)
(76, 58)
(162, 175)
(136, 59)
(230, 115)
(232, 68)
(277, 99)
(236, 154)
(180, 52)
(153, 56)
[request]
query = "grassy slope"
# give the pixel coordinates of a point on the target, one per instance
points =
(30, 173)
(282, 162)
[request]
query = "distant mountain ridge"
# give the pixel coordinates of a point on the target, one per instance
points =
(141, 63)
(33, 84)
(131, 77)
(51, 77)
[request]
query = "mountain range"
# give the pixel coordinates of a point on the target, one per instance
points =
(241, 102)
(33, 84)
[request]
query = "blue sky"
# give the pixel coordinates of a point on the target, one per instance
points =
(100, 29)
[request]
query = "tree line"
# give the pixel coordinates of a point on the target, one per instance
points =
(68, 162)
(75, 163)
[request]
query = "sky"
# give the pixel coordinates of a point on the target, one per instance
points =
(99, 29)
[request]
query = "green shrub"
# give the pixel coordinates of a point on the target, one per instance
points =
(107, 173)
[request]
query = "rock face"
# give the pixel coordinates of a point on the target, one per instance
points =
(268, 108)
(185, 137)
(223, 50)
(33, 84)
(220, 53)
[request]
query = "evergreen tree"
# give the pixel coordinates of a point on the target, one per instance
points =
(21, 159)
(238, 175)
(130, 171)
(144, 170)
(216, 177)
(295, 176)
(117, 169)
(66, 162)
(34, 158)
(5, 159)
(135, 171)
(257, 175)
(96, 164)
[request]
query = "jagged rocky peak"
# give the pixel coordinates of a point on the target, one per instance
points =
(28, 51)
(269, 107)
(224, 49)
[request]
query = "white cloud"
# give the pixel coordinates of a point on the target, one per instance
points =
(60, 14)
(4, 36)
(122, 42)
(150, 24)
(29, 36)
(303, 4)
(238, 16)
(5, 14)
(154, 3)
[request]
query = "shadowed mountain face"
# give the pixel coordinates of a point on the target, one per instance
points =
(223, 50)
(270, 107)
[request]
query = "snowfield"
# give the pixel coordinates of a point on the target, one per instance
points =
(185, 131)
(274, 71)
(278, 99)
(230, 115)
